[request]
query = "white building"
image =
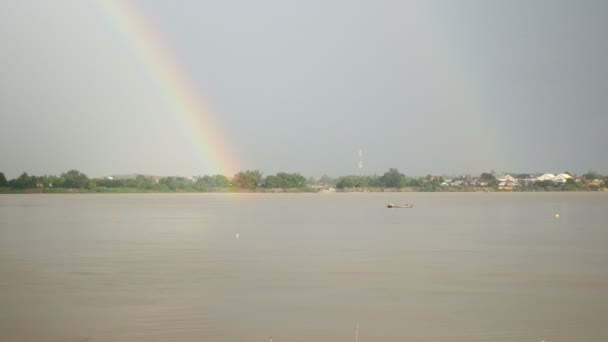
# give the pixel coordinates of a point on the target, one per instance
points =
(562, 178)
(546, 176)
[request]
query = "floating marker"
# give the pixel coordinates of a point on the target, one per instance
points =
(556, 215)
(236, 235)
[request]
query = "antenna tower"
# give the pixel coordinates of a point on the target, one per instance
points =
(360, 163)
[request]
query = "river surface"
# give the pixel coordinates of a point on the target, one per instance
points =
(304, 267)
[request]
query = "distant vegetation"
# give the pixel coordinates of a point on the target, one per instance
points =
(73, 180)
(254, 181)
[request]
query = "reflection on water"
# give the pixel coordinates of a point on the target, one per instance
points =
(304, 267)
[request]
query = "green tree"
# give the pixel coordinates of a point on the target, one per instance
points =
(272, 182)
(216, 181)
(393, 179)
(592, 175)
(410, 181)
(435, 182)
(106, 182)
(375, 181)
(248, 179)
(3, 181)
(570, 186)
(353, 182)
(92, 184)
(546, 184)
(24, 181)
(177, 183)
(220, 181)
(49, 181)
(73, 179)
(345, 182)
(285, 181)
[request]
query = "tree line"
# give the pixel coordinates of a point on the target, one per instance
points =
(74, 179)
(249, 180)
(390, 179)
(254, 179)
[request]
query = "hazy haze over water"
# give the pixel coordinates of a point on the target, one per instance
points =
(168, 267)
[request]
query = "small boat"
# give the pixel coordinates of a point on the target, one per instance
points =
(399, 206)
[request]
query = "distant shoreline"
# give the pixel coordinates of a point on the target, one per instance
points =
(253, 181)
(52, 191)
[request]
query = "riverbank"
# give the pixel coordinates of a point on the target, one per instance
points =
(275, 190)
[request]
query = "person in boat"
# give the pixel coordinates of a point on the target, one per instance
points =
(390, 205)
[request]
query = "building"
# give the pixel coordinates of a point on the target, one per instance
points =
(545, 177)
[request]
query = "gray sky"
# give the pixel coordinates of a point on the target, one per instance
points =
(439, 87)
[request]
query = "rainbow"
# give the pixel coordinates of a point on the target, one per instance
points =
(467, 93)
(178, 92)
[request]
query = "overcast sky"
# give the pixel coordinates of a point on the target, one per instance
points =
(441, 87)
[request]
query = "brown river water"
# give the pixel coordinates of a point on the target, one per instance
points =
(304, 267)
